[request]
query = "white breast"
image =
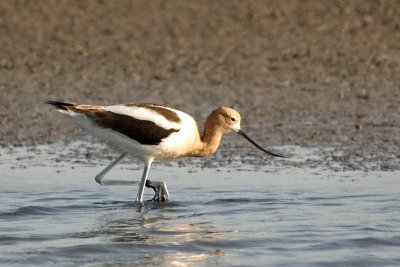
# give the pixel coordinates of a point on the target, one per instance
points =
(178, 143)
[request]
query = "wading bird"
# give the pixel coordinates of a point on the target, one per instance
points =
(150, 131)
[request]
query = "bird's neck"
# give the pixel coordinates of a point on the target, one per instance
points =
(210, 139)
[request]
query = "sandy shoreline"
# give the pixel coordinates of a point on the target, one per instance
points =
(310, 73)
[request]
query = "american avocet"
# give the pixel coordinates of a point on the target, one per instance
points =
(150, 131)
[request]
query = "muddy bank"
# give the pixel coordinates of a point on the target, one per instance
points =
(309, 73)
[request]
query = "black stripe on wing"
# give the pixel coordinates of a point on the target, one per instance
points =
(161, 110)
(143, 131)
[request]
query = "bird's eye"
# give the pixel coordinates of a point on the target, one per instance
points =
(233, 119)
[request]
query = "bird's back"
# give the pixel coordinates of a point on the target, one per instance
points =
(144, 130)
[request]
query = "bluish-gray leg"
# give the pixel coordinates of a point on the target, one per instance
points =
(99, 177)
(147, 165)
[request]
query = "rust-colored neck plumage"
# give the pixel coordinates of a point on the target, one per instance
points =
(210, 139)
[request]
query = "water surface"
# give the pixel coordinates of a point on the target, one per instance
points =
(57, 214)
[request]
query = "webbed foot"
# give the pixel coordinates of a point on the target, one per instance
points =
(160, 190)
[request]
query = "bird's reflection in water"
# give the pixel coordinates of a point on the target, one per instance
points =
(167, 233)
(184, 259)
(185, 233)
(159, 223)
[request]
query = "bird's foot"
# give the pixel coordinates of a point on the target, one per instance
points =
(160, 189)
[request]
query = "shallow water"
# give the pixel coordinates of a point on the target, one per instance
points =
(57, 214)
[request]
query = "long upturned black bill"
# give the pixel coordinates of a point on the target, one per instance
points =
(256, 145)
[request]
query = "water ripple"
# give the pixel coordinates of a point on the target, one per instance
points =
(29, 211)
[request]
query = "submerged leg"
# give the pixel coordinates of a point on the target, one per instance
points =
(147, 165)
(99, 177)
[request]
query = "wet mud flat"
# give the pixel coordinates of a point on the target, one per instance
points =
(310, 73)
(231, 214)
(233, 153)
